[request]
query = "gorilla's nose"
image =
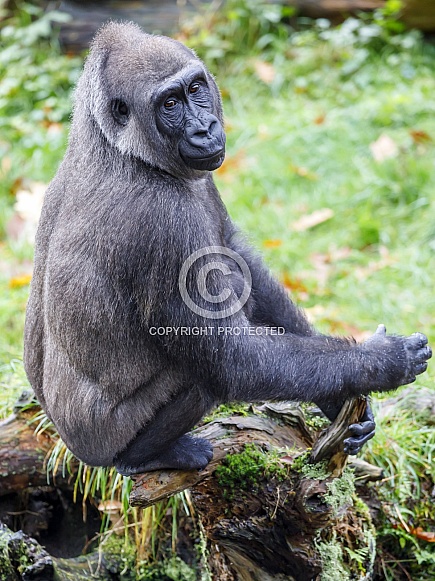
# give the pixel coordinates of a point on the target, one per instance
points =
(201, 130)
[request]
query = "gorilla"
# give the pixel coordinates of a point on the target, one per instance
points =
(147, 307)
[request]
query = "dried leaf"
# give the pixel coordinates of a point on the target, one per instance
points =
(428, 536)
(320, 119)
(20, 281)
(272, 243)
(293, 284)
(310, 220)
(419, 136)
(265, 71)
(384, 148)
(296, 287)
(287, 459)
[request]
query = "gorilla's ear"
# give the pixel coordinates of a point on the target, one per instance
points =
(120, 111)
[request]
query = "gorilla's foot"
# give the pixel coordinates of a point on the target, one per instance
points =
(186, 453)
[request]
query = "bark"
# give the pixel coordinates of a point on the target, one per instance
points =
(22, 455)
(271, 530)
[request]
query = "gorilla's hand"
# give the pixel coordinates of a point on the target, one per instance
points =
(361, 432)
(405, 357)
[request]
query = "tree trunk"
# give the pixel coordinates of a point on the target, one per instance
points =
(419, 14)
(288, 522)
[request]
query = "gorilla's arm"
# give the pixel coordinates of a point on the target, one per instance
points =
(271, 303)
(272, 306)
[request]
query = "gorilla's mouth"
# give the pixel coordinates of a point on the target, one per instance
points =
(208, 162)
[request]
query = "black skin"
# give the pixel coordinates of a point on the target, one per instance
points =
(183, 112)
(132, 200)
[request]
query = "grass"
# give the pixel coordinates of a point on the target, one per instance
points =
(302, 114)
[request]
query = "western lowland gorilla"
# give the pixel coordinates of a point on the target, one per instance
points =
(147, 308)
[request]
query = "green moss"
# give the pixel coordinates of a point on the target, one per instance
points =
(6, 571)
(121, 555)
(318, 471)
(341, 492)
(246, 470)
(312, 419)
(333, 567)
(227, 409)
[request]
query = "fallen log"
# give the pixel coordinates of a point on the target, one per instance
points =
(22, 455)
(267, 513)
(274, 522)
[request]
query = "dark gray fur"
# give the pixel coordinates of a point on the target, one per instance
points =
(120, 217)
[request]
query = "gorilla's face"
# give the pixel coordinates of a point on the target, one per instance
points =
(153, 99)
(184, 112)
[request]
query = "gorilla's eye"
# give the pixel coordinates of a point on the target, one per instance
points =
(120, 111)
(122, 108)
(170, 103)
(194, 88)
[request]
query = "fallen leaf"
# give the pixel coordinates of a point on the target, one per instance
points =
(272, 243)
(384, 148)
(428, 536)
(20, 281)
(320, 120)
(287, 459)
(314, 219)
(293, 284)
(264, 71)
(419, 136)
(296, 287)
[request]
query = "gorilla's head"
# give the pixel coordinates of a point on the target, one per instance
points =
(152, 99)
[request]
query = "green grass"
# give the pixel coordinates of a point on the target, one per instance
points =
(296, 144)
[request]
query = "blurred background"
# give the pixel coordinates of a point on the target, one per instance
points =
(330, 170)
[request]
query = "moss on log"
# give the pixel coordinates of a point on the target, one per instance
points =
(267, 511)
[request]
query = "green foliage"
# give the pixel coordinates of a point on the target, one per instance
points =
(404, 447)
(246, 471)
(35, 87)
(239, 27)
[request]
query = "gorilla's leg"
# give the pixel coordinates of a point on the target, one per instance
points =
(164, 444)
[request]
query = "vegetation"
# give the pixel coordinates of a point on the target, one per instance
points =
(246, 470)
(330, 169)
